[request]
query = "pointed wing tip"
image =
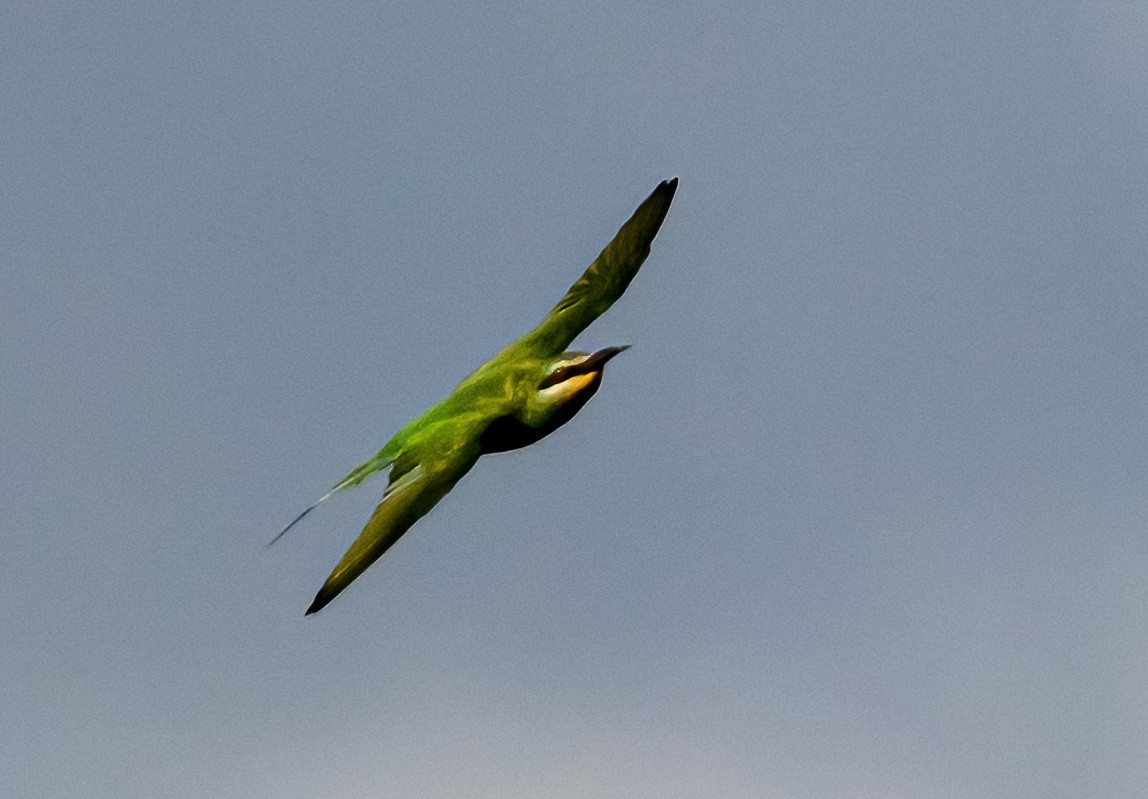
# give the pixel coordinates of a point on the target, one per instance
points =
(659, 200)
(320, 601)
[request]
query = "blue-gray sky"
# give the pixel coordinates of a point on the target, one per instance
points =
(861, 514)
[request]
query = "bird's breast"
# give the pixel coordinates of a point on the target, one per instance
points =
(554, 406)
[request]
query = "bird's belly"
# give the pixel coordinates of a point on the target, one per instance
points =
(507, 432)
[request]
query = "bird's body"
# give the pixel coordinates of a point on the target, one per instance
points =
(524, 393)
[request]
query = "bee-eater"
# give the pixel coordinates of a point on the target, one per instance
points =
(525, 392)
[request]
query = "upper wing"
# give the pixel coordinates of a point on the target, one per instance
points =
(417, 484)
(604, 281)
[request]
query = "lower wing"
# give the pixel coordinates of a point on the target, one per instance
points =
(407, 499)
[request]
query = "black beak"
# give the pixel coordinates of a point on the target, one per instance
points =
(592, 364)
(598, 359)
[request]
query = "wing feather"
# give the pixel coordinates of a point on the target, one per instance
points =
(604, 280)
(415, 489)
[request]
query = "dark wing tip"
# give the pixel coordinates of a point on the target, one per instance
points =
(321, 599)
(655, 207)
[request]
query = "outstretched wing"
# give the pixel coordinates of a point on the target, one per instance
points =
(603, 282)
(417, 484)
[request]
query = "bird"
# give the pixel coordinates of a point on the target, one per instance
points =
(526, 391)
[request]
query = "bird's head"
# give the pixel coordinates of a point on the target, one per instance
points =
(575, 374)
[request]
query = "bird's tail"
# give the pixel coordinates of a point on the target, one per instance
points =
(357, 475)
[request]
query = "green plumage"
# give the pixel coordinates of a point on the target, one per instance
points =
(501, 405)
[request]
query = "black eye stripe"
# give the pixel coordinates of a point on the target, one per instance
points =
(555, 377)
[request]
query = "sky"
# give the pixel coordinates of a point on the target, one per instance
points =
(862, 512)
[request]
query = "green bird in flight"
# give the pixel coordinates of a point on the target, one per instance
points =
(522, 394)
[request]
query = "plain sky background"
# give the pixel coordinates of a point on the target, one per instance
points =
(861, 514)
